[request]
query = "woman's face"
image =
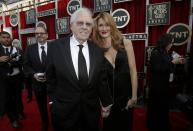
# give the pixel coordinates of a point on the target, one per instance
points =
(169, 46)
(104, 29)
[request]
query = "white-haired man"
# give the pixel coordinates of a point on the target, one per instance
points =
(76, 78)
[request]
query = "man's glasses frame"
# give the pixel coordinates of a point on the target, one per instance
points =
(39, 33)
(81, 23)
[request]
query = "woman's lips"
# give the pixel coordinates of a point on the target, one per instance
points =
(104, 33)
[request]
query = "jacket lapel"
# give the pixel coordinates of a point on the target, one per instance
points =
(65, 49)
(66, 55)
(92, 61)
(2, 52)
(36, 54)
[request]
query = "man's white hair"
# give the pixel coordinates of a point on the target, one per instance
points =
(74, 16)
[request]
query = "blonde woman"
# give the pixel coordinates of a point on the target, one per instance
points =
(121, 69)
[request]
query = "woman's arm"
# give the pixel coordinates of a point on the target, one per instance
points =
(133, 71)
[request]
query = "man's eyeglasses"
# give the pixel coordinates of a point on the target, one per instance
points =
(81, 23)
(40, 33)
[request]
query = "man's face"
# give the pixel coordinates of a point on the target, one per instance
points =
(41, 35)
(5, 39)
(82, 27)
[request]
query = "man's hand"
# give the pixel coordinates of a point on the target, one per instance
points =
(50, 102)
(39, 79)
(105, 111)
(4, 58)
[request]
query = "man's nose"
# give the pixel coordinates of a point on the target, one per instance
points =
(84, 25)
(7, 39)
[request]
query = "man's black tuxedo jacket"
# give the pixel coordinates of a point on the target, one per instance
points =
(32, 64)
(63, 85)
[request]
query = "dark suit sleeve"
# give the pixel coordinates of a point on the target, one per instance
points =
(4, 66)
(2, 54)
(27, 64)
(50, 74)
(104, 90)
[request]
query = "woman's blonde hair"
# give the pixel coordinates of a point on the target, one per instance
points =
(117, 38)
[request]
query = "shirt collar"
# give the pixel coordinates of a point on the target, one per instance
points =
(45, 45)
(6, 47)
(76, 43)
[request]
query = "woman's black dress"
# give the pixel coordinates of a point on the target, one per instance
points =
(119, 82)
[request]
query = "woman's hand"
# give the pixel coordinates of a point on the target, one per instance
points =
(131, 102)
(179, 60)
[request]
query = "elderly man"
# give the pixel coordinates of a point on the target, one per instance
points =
(76, 78)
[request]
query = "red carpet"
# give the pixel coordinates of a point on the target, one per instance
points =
(178, 121)
(32, 120)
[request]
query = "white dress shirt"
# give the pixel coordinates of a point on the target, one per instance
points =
(74, 53)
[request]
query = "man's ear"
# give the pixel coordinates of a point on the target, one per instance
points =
(71, 26)
(47, 35)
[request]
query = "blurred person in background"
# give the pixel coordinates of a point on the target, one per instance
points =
(10, 80)
(162, 68)
(35, 67)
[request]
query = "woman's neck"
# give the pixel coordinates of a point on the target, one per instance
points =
(107, 40)
(106, 44)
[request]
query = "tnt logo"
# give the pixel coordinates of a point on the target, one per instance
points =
(13, 20)
(181, 33)
(121, 17)
(73, 5)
